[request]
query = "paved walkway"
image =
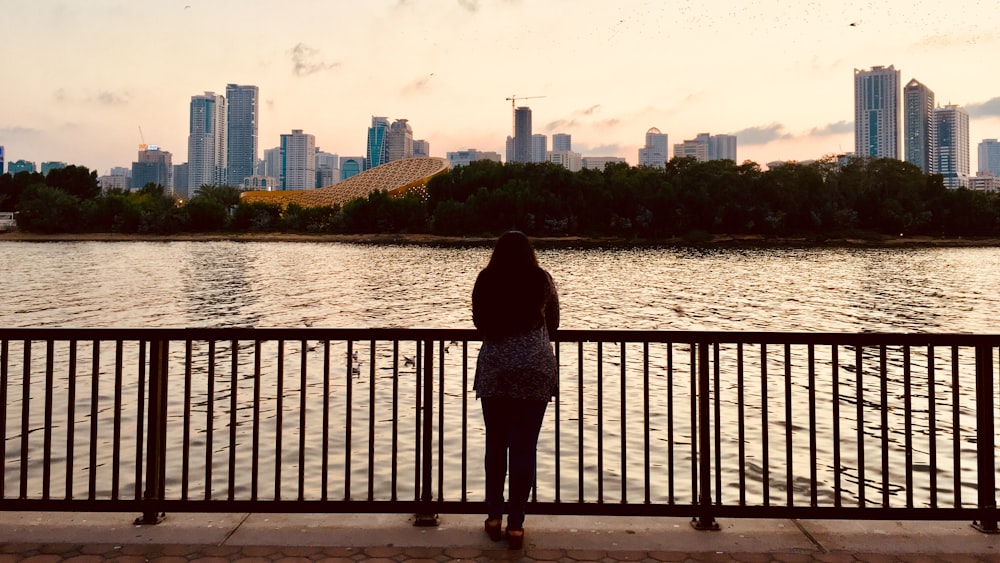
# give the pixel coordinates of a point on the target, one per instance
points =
(42, 537)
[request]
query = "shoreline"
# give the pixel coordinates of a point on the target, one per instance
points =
(711, 241)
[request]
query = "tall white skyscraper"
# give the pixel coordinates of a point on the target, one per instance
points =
(298, 161)
(722, 147)
(951, 151)
(400, 140)
(241, 134)
(654, 153)
(562, 142)
(989, 157)
(539, 146)
(918, 125)
(207, 142)
(876, 112)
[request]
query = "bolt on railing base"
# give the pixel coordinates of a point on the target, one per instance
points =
(426, 520)
(986, 527)
(707, 524)
(150, 518)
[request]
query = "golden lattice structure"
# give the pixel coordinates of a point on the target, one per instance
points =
(395, 177)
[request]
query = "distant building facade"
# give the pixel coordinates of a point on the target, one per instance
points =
(21, 166)
(207, 143)
(572, 161)
(378, 146)
(51, 165)
(562, 142)
(421, 148)
(241, 134)
(951, 151)
(257, 182)
(876, 112)
(539, 147)
(722, 147)
(985, 182)
(522, 136)
(989, 157)
(298, 161)
(272, 162)
(654, 152)
(705, 147)
(1, 159)
(154, 166)
(181, 180)
(351, 166)
(327, 169)
(918, 125)
(400, 140)
(599, 162)
(465, 157)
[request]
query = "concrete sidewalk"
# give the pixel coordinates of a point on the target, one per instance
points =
(40, 536)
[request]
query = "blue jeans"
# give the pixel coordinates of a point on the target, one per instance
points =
(512, 427)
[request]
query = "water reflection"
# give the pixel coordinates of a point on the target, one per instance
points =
(217, 286)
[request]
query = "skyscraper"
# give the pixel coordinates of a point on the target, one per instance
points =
(421, 148)
(1, 159)
(539, 146)
(298, 161)
(351, 166)
(989, 157)
(327, 169)
(918, 125)
(722, 147)
(207, 142)
(241, 133)
(20, 166)
(654, 153)
(154, 166)
(400, 140)
(951, 151)
(562, 142)
(522, 135)
(378, 147)
(272, 163)
(876, 112)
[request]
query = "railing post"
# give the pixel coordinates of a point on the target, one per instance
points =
(704, 520)
(425, 516)
(156, 433)
(985, 456)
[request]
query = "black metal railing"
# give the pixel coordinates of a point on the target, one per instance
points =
(697, 424)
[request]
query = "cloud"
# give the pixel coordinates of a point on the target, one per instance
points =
(59, 95)
(471, 6)
(106, 98)
(417, 85)
(560, 124)
(762, 135)
(18, 132)
(306, 61)
(837, 128)
(604, 150)
(572, 121)
(989, 108)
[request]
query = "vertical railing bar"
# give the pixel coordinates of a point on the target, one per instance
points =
(70, 416)
(600, 421)
(348, 411)
(694, 424)
(884, 400)
(210, 419)
(279, 418)
(95, 378)
(47, 416)
(325, 461)
(956, 428)
(4, 375)
(371, 423)
(117, 432)
(465, 424)
(156, 428)
(741, 424)
(835, 423)
(303, 386)
(140, 418)
(765, 459)
(624, 429)
(860, 406)
(186, 421)
(646, 424)
(233, 409)
(932, 424)
(424, 516)
(440, 413)
(670, 423)
(417, 427)
(26, 421)
(255, 424)
(558, 454)
(985, 440)
(579, 403)
(908, 425)
(717, 423)
(789, 457)
(704, 520)
(395, 419)
(813, 475)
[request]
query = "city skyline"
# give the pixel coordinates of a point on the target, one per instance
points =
(780, 81)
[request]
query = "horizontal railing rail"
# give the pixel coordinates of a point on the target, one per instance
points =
(659, 423)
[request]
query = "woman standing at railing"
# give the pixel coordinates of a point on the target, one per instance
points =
(514, 306)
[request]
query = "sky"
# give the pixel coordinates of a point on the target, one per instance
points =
(87, 81)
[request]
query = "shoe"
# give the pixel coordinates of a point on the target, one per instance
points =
(515, 538)
(492, 527)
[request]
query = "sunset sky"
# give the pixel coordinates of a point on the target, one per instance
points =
(82, 77)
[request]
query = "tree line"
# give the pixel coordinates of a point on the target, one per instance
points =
(687, 198)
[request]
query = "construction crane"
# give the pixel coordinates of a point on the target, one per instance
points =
(513, 109)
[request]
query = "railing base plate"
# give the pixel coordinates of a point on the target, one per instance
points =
(986, 529)
(426, 520)
(151, 518)
(705, 525)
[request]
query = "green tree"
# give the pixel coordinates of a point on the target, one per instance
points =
(44, 209)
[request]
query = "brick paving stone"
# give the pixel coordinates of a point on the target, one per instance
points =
(347, 552)
(919, 558)
(43, 558)
(251, 560)
(375, 559)
(586, 554)
(219, 550)
(211, 559)
(502, 554)
(300, 551)
(875, 557)
(544, 554)
(19, 547)
(138, 549)
(422, 552)
(794, 557)
(169, 559)
(84, 559)
(463, 552)
(9, 557)
(382, 551)
(753, 557)
(669, 556)
(257, 551)
(128, 559)
(835, 557)
(178, 550)
(334, 560)
(97, 549)
(422, 559)
(296, 559)
(627, 555)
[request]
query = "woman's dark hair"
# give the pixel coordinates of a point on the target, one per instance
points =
(513, 251)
